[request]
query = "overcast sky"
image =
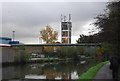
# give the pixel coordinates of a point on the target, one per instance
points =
(27, 19)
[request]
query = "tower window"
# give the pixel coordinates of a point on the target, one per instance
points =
(65, 40)
(64, 33)
(64, 27)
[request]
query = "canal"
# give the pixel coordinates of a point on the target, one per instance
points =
(47, 71)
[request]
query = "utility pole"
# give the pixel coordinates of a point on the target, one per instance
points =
(40, 40)
(13, 35)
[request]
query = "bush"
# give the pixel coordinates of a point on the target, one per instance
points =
(23, 57)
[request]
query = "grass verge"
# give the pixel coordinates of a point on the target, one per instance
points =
(90, 74)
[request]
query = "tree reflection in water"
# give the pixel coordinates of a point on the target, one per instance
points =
(61, 70)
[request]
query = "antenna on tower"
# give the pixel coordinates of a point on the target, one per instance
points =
(69, 17)
(64, 18)
(61, 17)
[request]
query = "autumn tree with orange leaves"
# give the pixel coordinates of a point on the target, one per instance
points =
(49, 36)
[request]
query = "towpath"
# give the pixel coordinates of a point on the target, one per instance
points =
(104, 74)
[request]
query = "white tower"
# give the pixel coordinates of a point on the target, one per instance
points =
(66, 29)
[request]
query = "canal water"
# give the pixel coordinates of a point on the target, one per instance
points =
(47, 71)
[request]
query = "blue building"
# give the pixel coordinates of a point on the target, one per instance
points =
(7, 40)
(14, 42)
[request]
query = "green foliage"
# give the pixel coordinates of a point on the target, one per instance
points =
(109, 24)
(82, 39)
(17, 59)
(100, 52)
(71, 52)
(88, 39)
(108, 47)
(23, 57)
(106, 50)
(90, 74)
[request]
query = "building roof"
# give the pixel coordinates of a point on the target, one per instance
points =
(7, 38)
(5, 45)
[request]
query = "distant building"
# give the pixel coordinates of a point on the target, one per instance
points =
(14, 42)
(6, 41)
(66, 30)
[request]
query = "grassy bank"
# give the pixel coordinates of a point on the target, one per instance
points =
(90, 74)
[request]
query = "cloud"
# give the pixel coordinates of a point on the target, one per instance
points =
(57, 0)
(27, 19)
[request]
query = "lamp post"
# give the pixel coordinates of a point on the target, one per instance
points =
(13, 35)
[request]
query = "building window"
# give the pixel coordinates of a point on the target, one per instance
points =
(64, 33)
(64, 27)
(65, 40)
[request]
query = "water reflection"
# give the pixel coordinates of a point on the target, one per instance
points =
(35, 77)
(56, 71)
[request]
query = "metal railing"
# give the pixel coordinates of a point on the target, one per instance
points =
(58, 44)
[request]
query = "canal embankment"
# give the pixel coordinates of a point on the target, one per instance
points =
(48, 59)
(38, 60)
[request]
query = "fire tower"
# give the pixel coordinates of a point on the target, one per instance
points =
(66, 29)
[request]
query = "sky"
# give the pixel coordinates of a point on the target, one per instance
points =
(27, 19)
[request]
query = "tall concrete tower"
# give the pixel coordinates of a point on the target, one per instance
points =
(66, 26)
